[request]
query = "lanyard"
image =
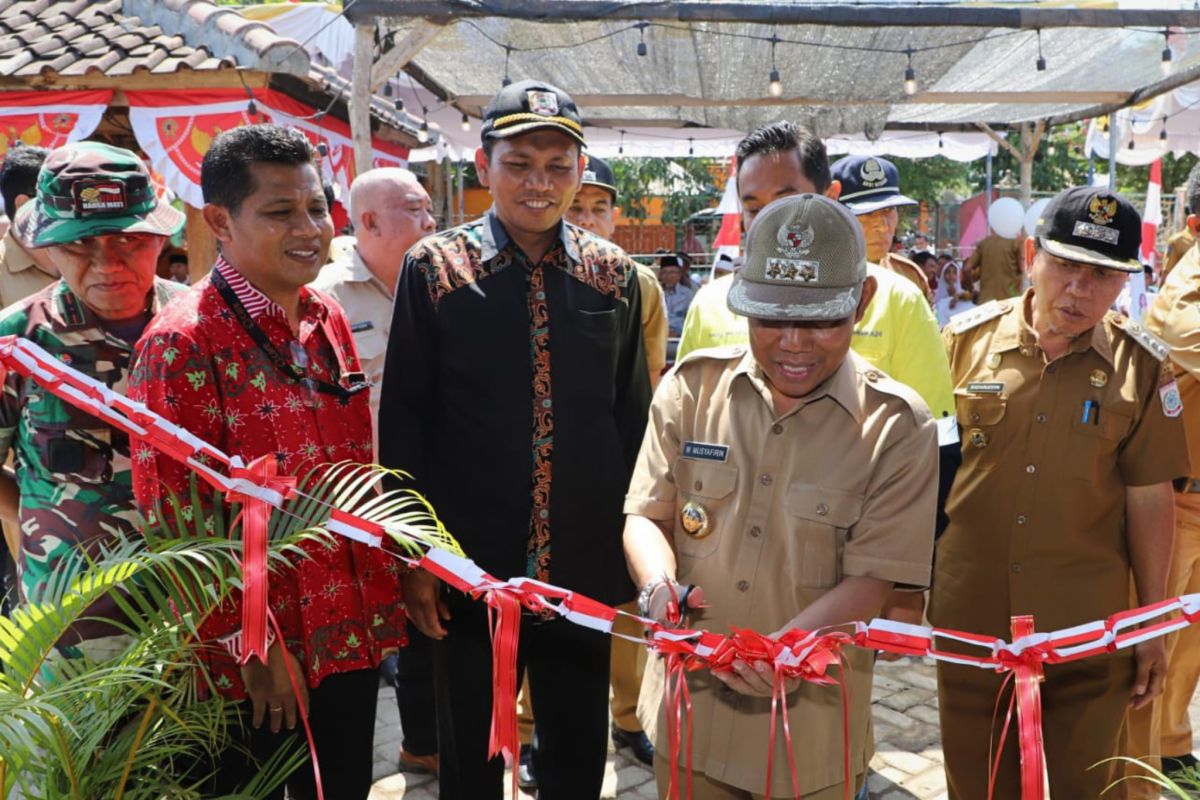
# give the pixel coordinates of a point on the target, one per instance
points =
(348, 383)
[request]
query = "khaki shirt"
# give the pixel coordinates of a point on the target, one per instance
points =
(1177, 247)
(1037, 510)
(20, 276)
(999, 268)
(844, 485)
(654, 322)
(368, 306)
(1175, 316)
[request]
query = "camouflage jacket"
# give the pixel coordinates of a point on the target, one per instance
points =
(73, 471)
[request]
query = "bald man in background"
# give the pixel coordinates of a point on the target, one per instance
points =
(391, 211)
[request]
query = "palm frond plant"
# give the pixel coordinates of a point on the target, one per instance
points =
(1183, 785)
(137, 723)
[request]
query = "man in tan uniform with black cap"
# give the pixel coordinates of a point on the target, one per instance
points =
(795, 484)
(1071, 437)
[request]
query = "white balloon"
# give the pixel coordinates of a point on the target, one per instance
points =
(1034, 214)
(1006, 217)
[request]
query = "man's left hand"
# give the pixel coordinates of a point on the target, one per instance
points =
(1151, 660)
(906, 607)
(754, 680)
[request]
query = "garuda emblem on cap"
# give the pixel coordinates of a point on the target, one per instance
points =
(795, 241)
(544, 103)
(872, 174)
(1102, 209)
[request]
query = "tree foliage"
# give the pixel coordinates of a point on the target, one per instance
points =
(686, 185)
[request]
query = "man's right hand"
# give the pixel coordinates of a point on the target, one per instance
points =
(270, 690)
(423, 599)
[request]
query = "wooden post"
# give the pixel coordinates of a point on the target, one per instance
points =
(201, 244)
(360, 96)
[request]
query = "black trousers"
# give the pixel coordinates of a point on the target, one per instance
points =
(410, 673)
(568, 684)
(342, 716)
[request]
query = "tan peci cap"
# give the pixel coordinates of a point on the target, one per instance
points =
(806, 260)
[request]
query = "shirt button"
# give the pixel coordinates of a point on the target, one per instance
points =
(544, 514)
(698, 485)
(974, 418)
(1041, 418)
(822, 509)
(1052, 369)
(765, 480)
(743, 586)
(755, 532)
(1020, 519)
(1031, 469)
(776, 428)
(1015, 567)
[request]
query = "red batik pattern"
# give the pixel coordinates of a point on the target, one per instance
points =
(537, 554)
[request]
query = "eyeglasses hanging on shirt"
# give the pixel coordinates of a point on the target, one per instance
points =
(347, 383)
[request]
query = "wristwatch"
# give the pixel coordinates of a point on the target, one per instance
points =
(643, 598)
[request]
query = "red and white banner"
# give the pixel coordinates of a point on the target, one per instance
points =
(729, 237)
(50, 119)
(175, 129)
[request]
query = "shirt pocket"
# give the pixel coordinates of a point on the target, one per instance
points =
(980, 417)
(708, 488)
(75, 455)
(1094, 445)
(369, 344)
(823, 518)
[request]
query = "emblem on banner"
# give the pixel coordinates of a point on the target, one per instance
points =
(872, 174)
(544, 103)
(694, 521)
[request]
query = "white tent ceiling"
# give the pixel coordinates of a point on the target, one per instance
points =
(703, 83)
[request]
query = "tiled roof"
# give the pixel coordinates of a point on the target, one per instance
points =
(82, 37)
(116, 38)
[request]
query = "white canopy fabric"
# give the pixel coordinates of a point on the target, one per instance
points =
(702, 85)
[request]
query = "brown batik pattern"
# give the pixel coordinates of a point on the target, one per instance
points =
(537, 554)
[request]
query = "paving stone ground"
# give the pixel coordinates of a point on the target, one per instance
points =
(907, 763)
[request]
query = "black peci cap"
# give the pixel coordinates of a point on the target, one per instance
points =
(528, 105)
(1093, 226)
(597, 172)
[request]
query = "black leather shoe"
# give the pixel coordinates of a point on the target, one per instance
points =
(526, 780)
(637, 741)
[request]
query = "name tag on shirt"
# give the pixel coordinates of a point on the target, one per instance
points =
(705, 452)
(992, 387)
(365, 325)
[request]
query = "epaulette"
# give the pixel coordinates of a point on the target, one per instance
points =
(1156, 346)
(723, 352)
(977, 316)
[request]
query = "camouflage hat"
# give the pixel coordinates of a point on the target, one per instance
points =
(805, 261)
(92, 189)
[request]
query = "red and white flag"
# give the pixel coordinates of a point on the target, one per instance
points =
(729, 237)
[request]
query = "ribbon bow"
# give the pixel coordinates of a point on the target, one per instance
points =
(1023, 661)
(258, 488)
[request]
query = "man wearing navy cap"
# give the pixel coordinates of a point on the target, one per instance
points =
(516, 394)
(1071, 438)
(871, 190)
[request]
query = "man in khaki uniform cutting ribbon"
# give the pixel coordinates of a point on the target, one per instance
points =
(796, 485)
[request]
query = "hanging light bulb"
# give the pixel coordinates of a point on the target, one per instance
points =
(1162, 135)
(641, 45)
(941, 144)
(1041, 59)
(621, 146)
(910, 76)
(387, 90)
(1131, 144)
(775, 87)
(1166, 53)
(691, 150)
(466, 123)
(251, 107)
(1051, 150)
(322, 149)
(507, 53)
(423, 133)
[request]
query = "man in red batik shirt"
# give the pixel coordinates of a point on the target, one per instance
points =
(254, 362)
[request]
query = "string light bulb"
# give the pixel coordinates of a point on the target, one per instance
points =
(910, 76)
(507, 52)
(387, 89)
(1131, 144)
(252, 108)
(941, 144)
(1162, 135)
(466, 123)
(1051, 150)
(691, 150)
(423, 133)
(1167, 55)
(641, 45)
(1041, 59)
(322, 149)
(775, 86)
(399, 104)
(621, 146)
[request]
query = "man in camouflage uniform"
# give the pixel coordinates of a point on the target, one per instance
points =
(99, 221)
